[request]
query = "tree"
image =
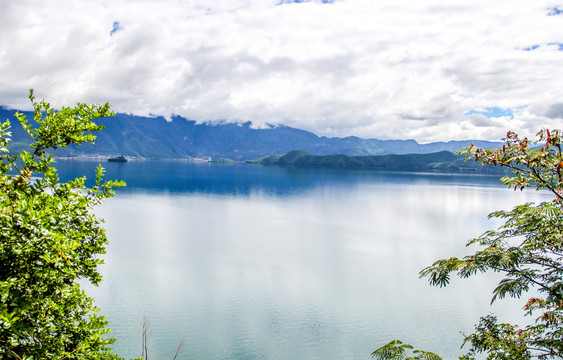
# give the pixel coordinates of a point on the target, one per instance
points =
(49, 239)
(527, 249)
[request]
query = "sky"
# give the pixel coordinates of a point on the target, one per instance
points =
(427, 70)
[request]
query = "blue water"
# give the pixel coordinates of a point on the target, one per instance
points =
(252, 262)
(242, 179)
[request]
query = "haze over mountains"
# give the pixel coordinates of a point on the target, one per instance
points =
(157, 138)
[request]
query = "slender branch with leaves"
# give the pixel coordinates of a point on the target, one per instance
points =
(527, 249)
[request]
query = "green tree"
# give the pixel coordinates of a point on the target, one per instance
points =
(527, 249)
(49, 239)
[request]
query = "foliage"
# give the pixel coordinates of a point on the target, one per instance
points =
(396, 350)
(527, 249)
(49, 240)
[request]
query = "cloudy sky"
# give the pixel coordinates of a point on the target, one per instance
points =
(428, 70)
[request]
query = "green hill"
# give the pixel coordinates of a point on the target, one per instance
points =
(443, 161)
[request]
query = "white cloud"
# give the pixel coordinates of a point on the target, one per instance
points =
(385, 69)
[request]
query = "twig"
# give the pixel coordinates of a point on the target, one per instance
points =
(179, 349)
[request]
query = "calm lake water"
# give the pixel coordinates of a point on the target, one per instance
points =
(251, 262)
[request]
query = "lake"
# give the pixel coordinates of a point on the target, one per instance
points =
(252, 262)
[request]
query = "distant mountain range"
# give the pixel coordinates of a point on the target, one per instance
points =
(157, 138)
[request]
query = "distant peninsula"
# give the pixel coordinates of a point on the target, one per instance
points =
(443, 161)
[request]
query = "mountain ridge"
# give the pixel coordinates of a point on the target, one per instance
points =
(180, 138)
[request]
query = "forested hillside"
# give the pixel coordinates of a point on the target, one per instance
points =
(443, 161)
(158, 138)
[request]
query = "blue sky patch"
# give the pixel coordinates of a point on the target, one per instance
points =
(530, 48)
(493, 112)
(559, 46)
(555, 11)
(115, 28)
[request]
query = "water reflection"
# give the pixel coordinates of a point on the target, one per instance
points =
(247, 262)
(244, 179)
